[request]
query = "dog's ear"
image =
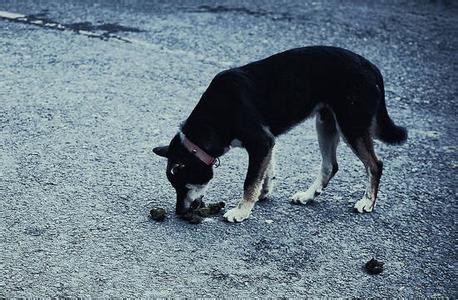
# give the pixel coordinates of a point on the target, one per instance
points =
(162, 151)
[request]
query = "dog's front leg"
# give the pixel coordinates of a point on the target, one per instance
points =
(259, 159)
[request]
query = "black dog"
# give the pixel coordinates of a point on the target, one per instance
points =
(249, 106)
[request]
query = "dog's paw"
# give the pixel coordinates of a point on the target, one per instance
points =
(239, 213)
(304, 197)
(364, 205)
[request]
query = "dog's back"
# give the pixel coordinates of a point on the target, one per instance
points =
(286, 88)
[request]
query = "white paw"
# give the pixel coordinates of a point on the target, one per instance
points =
(304, 197)
(239, 213)
(364, 205)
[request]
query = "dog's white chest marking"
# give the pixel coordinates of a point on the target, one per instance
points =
(195, 192)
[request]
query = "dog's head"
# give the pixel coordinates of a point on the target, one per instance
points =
(187, 174)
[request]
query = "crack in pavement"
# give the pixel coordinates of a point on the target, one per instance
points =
(88, 29)
(83, 28)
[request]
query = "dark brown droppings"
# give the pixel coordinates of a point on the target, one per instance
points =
(196, 219)
(374, 266)
(204, 212)
(199, 211)
(158, 214)
(196, 204)
(215, 208)
(187, 216)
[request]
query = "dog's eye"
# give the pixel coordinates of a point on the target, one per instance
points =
(176, 168)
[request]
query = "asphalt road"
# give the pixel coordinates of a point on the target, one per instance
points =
(79, 117)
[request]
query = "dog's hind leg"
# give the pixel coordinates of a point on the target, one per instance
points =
(363, 147)
(328, 139)
(260, 154)
(267, 185)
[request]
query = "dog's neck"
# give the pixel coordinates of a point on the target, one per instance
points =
(197, 151)
(205, 136)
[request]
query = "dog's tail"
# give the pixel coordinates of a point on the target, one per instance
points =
(386, 130)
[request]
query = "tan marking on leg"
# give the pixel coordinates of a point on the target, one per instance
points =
(364, 149)
(252, 192)
(250, 195)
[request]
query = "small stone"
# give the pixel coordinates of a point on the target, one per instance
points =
(374, 266)
(158, 214)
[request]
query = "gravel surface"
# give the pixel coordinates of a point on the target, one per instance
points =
(79, 117)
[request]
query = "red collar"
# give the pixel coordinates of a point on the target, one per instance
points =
(198, 152)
